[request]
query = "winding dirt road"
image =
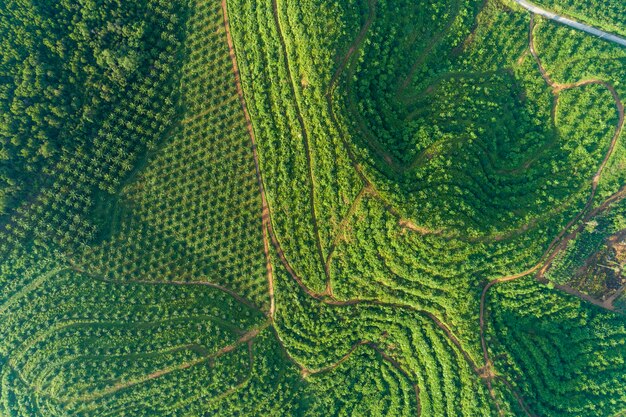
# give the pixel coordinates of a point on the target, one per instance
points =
(560, 241)
(269, 235)
(268, 232)
(305, 137)
(556, 89)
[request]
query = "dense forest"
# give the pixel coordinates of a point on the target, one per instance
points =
(65, 66)
(311, 208)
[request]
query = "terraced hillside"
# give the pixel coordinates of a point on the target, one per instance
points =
(357, 207)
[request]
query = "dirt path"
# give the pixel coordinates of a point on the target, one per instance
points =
(606, 304)
(518, 397)
(241, 384)
(367, 135)
(560, 241)
(305, 136)
(264, 205)
(306, 371)
(339, 233)
(402, 222)
(268, 230)
(557, 88)
(354, 46)
(371, 189)
(488, 371)
(327, 298)
(483, 298)
(614, 198)
(246, 338)
(96, 275)
(434, 41)
(204, 355)
(269, 235)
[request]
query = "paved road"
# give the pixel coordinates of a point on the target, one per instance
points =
(576, 25)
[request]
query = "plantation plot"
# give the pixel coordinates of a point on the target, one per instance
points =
(354, 207)
(91, 346)
(194, 212)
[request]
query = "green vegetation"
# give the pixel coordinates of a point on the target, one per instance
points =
(579, 57)
(98, 152)
(530, 324)
(185, 217)
(355, 207)
(98, 349)
(48, 49)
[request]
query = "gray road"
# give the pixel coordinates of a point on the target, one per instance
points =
(576, 25)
